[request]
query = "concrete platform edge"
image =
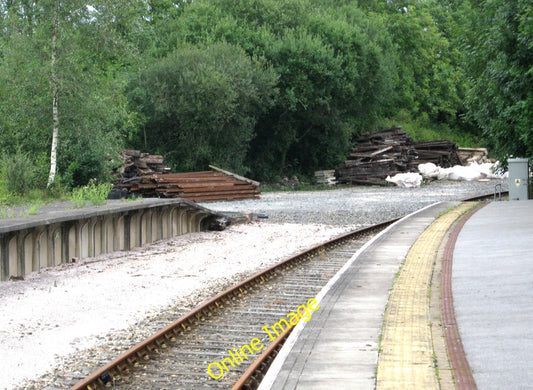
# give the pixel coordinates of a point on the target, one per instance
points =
(272, 373)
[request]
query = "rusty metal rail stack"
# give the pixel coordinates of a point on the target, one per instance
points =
(145, 175)
(195, 186)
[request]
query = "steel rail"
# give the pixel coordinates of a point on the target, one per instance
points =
(253, 376)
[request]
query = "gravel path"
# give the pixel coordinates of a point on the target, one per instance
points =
(360, 206)
(55, 321)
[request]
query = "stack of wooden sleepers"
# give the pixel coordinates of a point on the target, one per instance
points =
(474, 155)
(196, 186)
(326, 177)
(377, 155)
(442, 153)
(136, 163)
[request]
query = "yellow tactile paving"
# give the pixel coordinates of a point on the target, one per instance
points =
(406, 351)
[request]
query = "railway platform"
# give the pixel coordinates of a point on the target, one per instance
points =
(374, 327)
(493, 294)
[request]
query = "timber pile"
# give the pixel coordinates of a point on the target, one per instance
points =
(326, 177)
(384, 153)
(377, 155)
(474, 155)
(195, 186)
(441, 153)
(136, 163)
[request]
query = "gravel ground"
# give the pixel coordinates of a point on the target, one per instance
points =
(54, 323)
(360, 206)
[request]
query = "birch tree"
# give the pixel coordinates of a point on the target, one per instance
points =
(55, 114)
(62, 72)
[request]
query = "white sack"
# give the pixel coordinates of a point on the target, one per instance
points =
(407, 180)
(429, 170)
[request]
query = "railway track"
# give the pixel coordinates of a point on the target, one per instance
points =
(179, 355)
(232, 329)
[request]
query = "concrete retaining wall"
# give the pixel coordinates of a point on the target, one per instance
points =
(31, 243)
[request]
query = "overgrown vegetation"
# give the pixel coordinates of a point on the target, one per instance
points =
(94, 193)
(17, 173)
(262, 87)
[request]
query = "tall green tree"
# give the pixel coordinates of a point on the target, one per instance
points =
(332, 74)
(499, 62)
(59, 84)
(428, 77)
(200, 105)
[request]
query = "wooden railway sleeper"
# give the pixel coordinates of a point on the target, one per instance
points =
(143, 355)
(210, 311)
(133, 361)
(160, 343)
(150, 348)
(122, 367)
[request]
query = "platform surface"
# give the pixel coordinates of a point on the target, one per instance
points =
(65, 211)
(493, 294)
(339, 348)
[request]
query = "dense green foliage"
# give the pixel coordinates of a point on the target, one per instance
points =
(200, 105)
(17, 173)
(500, 70)
(89, 53)
(334, 74)
(262, 87)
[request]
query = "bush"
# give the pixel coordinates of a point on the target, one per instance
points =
(18, 173)
(201, 105)
(95, 193)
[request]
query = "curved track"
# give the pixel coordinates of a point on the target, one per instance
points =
(178, 356)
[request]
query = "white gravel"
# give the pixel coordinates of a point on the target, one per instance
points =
(63, 310)
(52, 316)
(361, 206)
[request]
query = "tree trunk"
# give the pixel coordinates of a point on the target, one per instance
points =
(55, 115)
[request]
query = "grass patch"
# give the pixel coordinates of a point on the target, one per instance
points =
(132, 198)
(6, 213)
(430, 132)
(94, 193)
(32, 196)
(445, 212)
(33, 210)
(422, 129)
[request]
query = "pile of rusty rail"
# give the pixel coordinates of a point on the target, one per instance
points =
(201, 186)
(442, 153)
(377, 155)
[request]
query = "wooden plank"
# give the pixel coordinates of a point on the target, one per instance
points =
(381, 151)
